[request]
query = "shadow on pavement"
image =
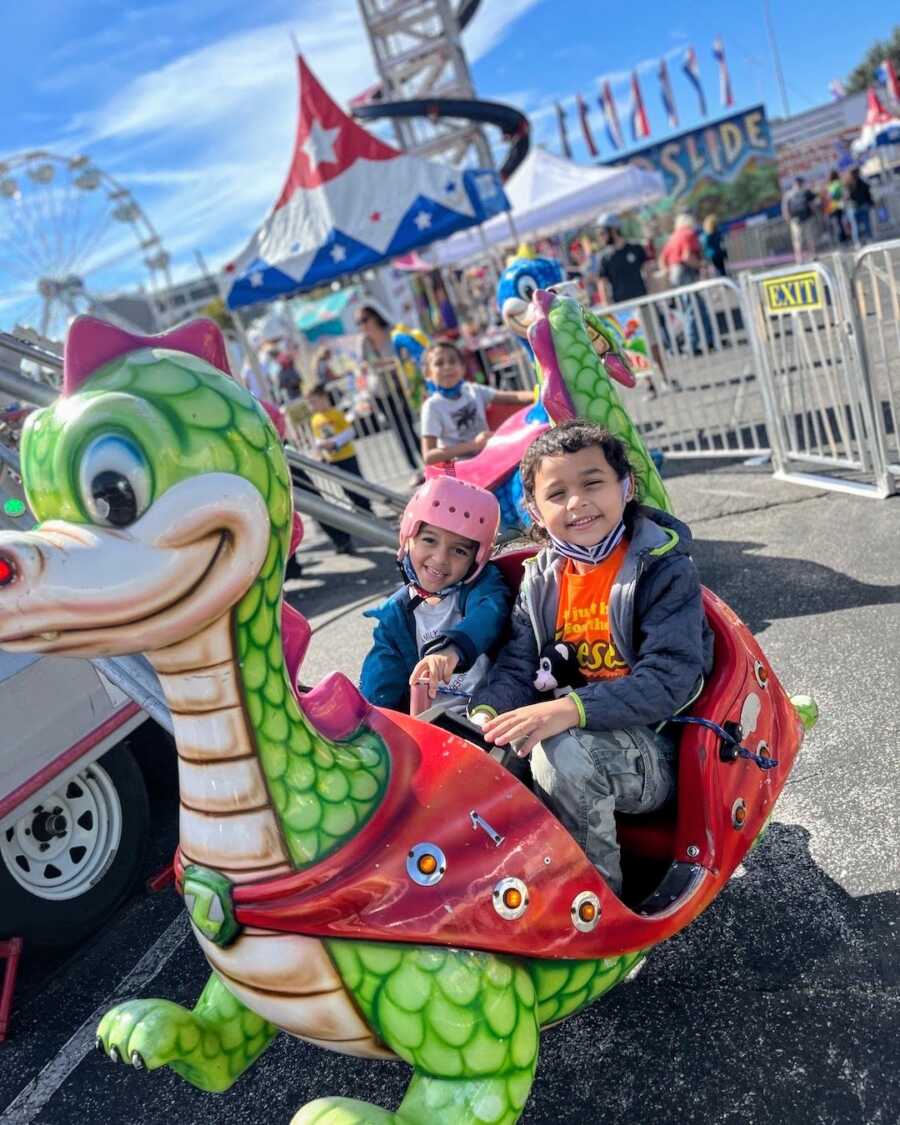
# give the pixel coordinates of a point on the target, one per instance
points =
(776, 1006)
(762, 589)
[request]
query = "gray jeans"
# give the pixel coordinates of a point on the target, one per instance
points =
(584, 776)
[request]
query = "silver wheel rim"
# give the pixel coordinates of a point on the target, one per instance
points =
(63, 844)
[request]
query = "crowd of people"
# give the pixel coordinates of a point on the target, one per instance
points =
(839, 213)
(434, 398)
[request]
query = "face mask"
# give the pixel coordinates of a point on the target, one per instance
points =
(445, 392)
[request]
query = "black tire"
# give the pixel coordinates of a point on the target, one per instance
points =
(63, 922)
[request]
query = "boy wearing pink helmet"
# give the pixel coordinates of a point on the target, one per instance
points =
(441, 624)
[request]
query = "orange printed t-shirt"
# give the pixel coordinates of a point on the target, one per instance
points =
(582, 618)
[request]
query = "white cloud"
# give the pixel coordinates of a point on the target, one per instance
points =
(490, 25)
(204, 140)
(238, 82)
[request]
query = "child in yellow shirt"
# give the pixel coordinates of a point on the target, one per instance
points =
(334, 437)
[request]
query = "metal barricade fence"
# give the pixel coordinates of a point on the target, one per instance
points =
(386, 421)
(757, 243)
(385, 424)
(813, 377)
(698, 394)
(875, 281)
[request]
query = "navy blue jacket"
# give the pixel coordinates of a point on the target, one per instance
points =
(656, 620)
(484, 605)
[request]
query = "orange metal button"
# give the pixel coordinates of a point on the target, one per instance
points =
(427, 864)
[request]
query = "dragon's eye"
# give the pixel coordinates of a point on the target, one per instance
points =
(526, 286)
(114, 481)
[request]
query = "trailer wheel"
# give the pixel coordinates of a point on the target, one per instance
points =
(70, 859)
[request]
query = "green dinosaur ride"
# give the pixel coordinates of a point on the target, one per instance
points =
(337, 876)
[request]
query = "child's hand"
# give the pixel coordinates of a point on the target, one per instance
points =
(436, 669)
(529, 725)
(481, 440)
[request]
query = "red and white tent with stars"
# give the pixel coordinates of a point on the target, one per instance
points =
(351, 201)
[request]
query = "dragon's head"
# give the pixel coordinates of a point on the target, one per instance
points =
(518, 283)
(161, 492)
(578, 356)
(576, 353)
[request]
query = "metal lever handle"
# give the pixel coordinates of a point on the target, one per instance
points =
(480, 822)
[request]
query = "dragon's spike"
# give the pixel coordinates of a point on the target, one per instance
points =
(92, 343)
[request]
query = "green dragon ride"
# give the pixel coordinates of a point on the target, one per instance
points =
(339, 882)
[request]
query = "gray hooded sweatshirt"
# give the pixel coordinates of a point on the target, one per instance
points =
(657, 623)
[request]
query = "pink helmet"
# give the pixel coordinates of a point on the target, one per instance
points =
(455, 506)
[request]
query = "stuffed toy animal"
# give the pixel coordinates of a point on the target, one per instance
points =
(557, 669)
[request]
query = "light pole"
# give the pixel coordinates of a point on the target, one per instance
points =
(776, 61)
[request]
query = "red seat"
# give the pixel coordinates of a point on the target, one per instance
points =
(497, 413)
(512, 566)
(651, 836)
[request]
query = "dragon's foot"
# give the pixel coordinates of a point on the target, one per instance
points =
(432, 1101)
(342, 1111)
(210, 1047)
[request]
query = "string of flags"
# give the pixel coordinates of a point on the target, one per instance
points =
(885, 79)
(637, 112)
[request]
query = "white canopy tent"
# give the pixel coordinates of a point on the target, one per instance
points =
(548, 193)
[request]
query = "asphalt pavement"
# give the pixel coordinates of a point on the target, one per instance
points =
(779, 1006)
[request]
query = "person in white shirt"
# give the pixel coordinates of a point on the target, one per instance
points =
(454, 416)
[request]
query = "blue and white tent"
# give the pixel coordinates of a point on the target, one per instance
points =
(350, 202)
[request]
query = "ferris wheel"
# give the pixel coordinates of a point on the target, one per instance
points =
(70, 233)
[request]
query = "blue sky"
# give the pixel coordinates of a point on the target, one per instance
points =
(191, 104)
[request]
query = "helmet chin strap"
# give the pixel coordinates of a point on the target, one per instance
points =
(599, 551)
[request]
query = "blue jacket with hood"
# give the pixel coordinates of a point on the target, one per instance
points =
(484, 609)
(657, 623)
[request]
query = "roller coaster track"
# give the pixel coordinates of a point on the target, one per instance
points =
(512, 123)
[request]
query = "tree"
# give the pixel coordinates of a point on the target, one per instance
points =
(864, 75)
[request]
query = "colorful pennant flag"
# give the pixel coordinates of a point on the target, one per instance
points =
(563, 135)
(611, 117)
(691, 69)
(886, 76)
(725, 95)
(586, 125)
(640, 124)
(668, 100)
